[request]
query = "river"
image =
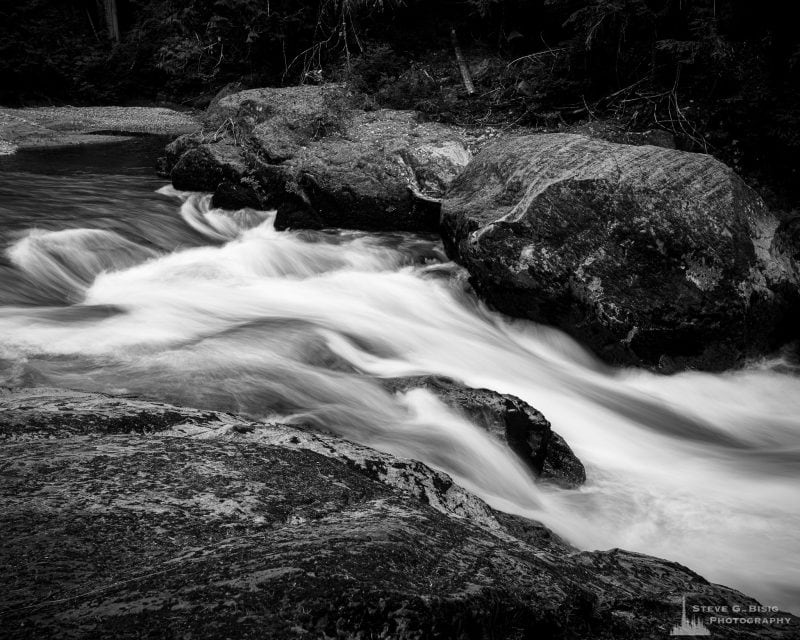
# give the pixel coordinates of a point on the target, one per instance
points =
(112, 281)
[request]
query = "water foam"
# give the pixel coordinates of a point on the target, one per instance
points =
(66, 262)
(695, 467)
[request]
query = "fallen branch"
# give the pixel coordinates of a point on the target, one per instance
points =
(533, 56)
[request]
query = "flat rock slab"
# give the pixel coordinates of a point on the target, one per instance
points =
(128, 519)
(66, 126)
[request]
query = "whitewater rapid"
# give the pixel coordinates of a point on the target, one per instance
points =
(227, 313)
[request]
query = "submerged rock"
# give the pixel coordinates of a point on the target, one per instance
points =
(648, 255)
(320, 162)
(512, 421)
(128, 519)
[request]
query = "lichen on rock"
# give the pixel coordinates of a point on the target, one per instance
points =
(643, 253)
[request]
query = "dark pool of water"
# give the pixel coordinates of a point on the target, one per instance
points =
(128, 156)
(108, 187)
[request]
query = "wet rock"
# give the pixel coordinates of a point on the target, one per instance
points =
(511, 420)
(295, 212)
(321, 162)
(205, 167)
(232, 196)
(647, 255)
(208, 525)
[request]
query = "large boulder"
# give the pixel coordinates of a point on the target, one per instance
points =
(127, 519)
(511, 420)
(321, 162)
(648, 255)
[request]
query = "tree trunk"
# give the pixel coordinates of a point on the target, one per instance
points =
(112, 22)
(462, 64)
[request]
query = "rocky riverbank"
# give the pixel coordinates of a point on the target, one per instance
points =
(319, 160)
(68, 126)
(124, 518)
(648, 255)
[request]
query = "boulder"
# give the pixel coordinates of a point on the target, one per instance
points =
(128, 519)
(647, 255)
(204, 167)
(302, 110)
(320, 162)
(512, 421)
(385, 171)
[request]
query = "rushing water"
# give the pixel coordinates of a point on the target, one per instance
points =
(111, 281)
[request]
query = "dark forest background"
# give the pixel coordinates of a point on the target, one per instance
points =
(723, 77)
